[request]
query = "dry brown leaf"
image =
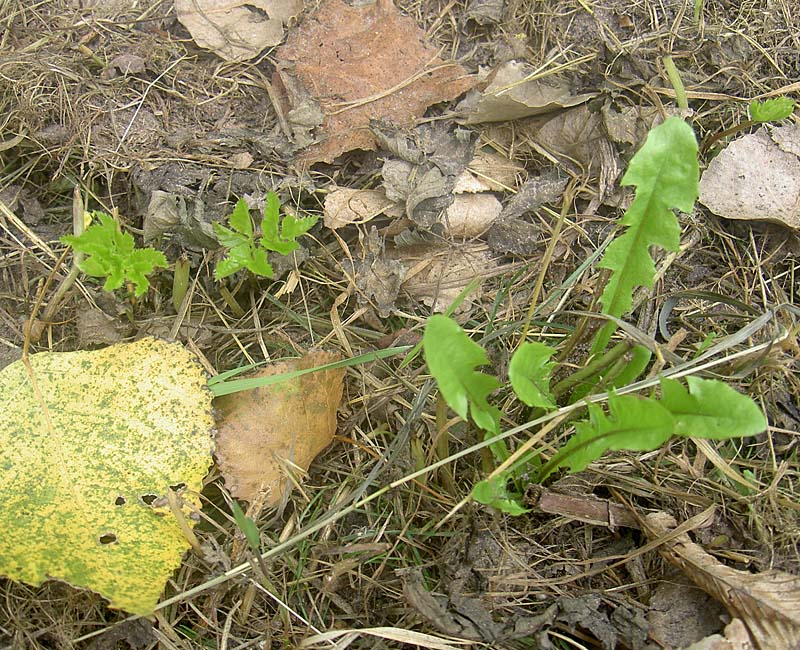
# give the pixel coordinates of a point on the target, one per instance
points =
(736, 638)
(514, 93)
(768, 603)
(267, 431)
(345, 206)
(236, 30)
(496, 172)
(470, 215)
(436, 273)
(363, 63)
(756, 178)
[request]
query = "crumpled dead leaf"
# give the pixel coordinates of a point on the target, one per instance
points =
(378, 279)
(360, 63)
(435, 273)
(180, 216)
(267, 432)
(470, 215)
(345, 206)
(492, 173)
(236, 30)
(514, 93)
(433, 158)
(756, 178)
(735, 637)
(768, 603)
(578, 138)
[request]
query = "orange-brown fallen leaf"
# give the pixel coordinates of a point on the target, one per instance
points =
(265, 432)
(361, 63)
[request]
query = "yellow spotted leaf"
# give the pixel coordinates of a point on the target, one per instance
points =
(90, 443)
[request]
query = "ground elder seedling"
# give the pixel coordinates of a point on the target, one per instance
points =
(246, 250)
(112, 254)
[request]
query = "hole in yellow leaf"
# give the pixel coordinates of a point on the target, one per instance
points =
(148, 499)
(177, 487)
(108, 538)
(120, 501)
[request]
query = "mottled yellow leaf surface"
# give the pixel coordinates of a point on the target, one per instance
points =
(88, 450)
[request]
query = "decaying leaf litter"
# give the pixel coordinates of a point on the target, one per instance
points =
(172, 135)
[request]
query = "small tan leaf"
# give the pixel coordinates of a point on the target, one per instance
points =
(514, 92)
(265, 432)
(236, 30)
(768, 603)
(90, 442)
(345, 206)
(470, 215)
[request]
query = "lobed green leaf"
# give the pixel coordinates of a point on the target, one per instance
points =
(530, 372)
(711, 409)
(666, 175)
(771, 110)
(452, 358)
(113, 255)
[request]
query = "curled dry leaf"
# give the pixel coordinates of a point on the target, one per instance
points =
(362, 63)
(345, 206)
(491, 173)
(265, 433)
(514, 93)
(436, 273)
(236, 30)
(470, 215)
(768, 603)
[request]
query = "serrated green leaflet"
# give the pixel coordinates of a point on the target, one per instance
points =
(244, 252)
(452, 358)
(529, 372)
(113, 255)
(666, 175)
(771, 110)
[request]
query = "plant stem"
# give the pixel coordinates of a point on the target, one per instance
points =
(590, 370)
(677, 83)
(706, 144)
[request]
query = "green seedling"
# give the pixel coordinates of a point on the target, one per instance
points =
(666, 176)
(247, 526)
(702, 409)
(246, 250)
(770, 110)
(112, 254)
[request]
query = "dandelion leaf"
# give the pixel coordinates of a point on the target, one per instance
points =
(530, 372)
(635, 423)
(665, 173)
(90, 442)
(452, 358)
(711, 409)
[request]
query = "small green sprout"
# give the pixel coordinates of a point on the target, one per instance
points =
(112, 254)
(771, 110)
(244, 251)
